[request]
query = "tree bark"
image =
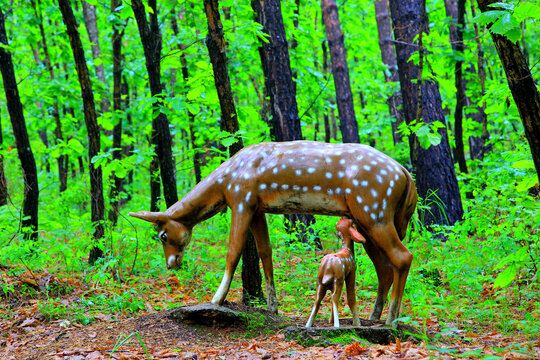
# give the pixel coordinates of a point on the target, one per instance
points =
(29, 223)
(3, 183)
(388, 55)
(251, 273)
(279, 84)
(90, 118)
(116, 182)
(522, 86)
(435, 175)
(456, 11)
(161, 135)
(90, 21)
(340, 70)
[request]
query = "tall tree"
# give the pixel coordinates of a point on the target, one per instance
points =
(340, 70)
(276, 66)
(251, 273)
(3, 182)
(116, 183)
(90, 21)
(90, 118)
(435, 175)
(521, 84)
(161, 134)
(31, 190)
(62, 159)
(388, 55)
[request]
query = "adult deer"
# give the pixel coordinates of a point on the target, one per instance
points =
(350, 180)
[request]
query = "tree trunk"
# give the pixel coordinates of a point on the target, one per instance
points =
(90, 21)
(340, 70)
(435, 175)
(522, 86)
(456, 11)
(29, 223)
(3, 182)
(388, 55)
(161, 135)
(90, 118)
(279, 84)
(116, 182)
(251, 273)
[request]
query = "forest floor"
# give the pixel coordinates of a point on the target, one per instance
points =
(29, 330)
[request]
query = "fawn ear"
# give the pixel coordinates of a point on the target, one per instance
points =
(357, 236)
(157, 218)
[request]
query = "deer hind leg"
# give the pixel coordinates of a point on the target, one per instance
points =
(387, 240)
(336, 295)
(351, 296)
(385, 276)
(259, 228)
(237, 239)
(321, 290)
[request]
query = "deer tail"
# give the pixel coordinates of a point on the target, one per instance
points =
(407, 206)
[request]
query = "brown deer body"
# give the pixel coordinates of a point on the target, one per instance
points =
(350, 180)
(336, 269)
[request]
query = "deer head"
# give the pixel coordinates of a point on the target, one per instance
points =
(345, 229)
(174, 236)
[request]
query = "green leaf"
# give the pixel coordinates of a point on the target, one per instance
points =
(506, 277)
(434, 138)
(489, 17)
(423, 131)
(523, 164)
(504, 24)
(506, 6)
(526, 10)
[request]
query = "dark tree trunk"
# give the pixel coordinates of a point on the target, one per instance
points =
(435, 175)
(456, 11)
(340, 70)
(251, 273)
(388, 55)
(279, 84)
(3, 182)
(90, 118)
(161, 135)
(522, 86)
(31, 189)
(116, 182)
(127, 150)
(294, 42)
(90, 21)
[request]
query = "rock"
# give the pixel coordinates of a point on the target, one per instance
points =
(208, 314)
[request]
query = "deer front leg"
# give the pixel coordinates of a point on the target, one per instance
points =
(237, 239)
(351, 296)
(259, 228)
(385, 276)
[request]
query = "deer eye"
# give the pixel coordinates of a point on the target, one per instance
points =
(163, 236)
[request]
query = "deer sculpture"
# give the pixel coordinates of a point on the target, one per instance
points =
(350, 180)
(336, 269)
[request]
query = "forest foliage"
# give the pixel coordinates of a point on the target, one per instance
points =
(486, 268)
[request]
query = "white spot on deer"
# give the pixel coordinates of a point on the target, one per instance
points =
(330, 191)
(365, 183)
(366, 208)
(375, 206)
(296, 188)
(359, 157)
(305, 189)
(242, 163)
(227, 170)
(374, 193)
(373, 162)
(379, 178)
(236, 188)
(317, 188)
(367, 167)
(274, 186)
(262, 187)
(396, 177)
(342, 161)
(234, 174)
(283, 166)
(341, 174)
(359, 199)
(262, 169)
(291, 160)
(381, 215)
(373, 216)
(391, 183)
(396, 168)
(355, 182)
(389, 167)
(264, 154)
(229, 186)
(298, 172)
(328, 160)
(338, 190)
(347, 191)
(384, 204)
(351, 151)
(240, 207)
(275, 170)
(354, 167)
(389, 191)
(338, 153)
(285, 187)
(248, 196)
(328, 175)
(220, 180)
(246, 176)
(311, 170)
(384, 172)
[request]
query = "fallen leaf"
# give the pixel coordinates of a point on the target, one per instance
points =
(29, 322)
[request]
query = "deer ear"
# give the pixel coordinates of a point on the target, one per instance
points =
(158, 218)
(357, 236)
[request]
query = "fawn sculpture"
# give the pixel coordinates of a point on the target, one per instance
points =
(336, 269)
(350, 180)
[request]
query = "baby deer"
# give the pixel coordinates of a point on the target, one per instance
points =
(336, 269)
